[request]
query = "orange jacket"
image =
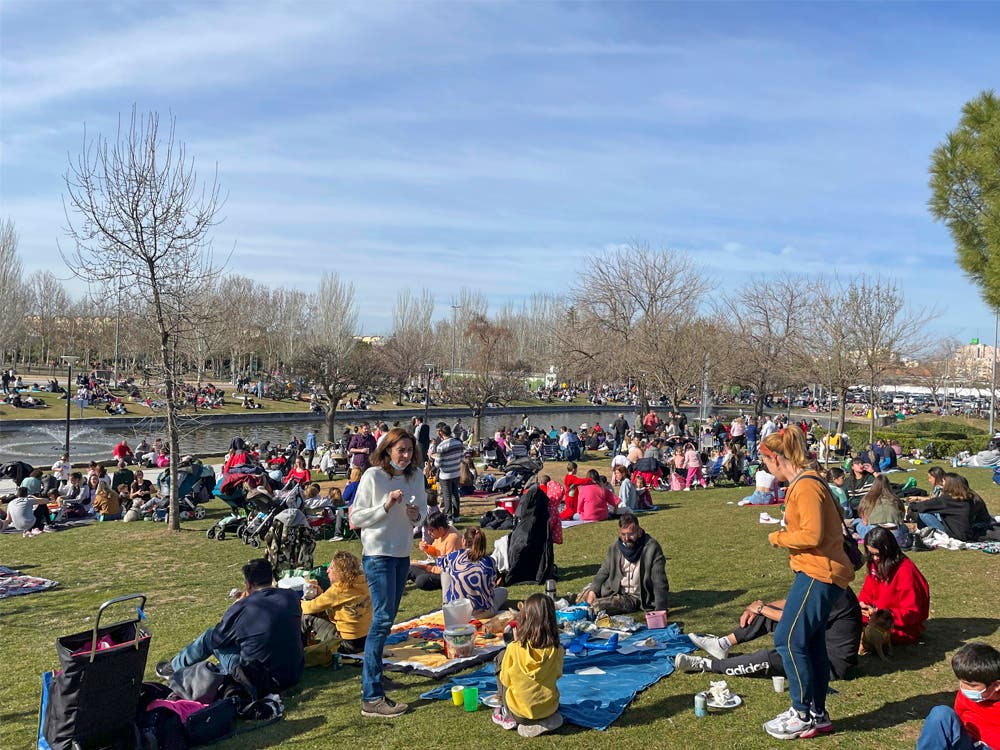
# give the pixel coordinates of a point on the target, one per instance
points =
(814, 535)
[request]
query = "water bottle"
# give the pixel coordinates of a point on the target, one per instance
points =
(550, 588)
(700, 705)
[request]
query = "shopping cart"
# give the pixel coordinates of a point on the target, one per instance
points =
(92, 700)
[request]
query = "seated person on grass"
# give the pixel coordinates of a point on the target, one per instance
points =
(27, 513)
(344, 610)
(949, 512)
(843, 635)
(894, 583)
(263, 629)
(472, 575)
(975, 719)
(763, 494)
(633, 576)
(340, 515)
(446, 539)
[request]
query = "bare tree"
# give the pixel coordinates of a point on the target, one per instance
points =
(492, 375)
(767, 324)
(829, 349)
(882, 330)
(623, 310)
(412, 342)
(135, 209)
(937, 367)
(331, 358)
(12, 291)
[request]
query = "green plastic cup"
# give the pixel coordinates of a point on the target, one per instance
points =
(471, 695)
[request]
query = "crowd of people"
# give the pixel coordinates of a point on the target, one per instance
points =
(818, 628)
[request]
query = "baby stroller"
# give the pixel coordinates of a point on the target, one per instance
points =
(519, 472)
(93, 700)
(235, 496)
(492, 453)
(268, 506)
(195, 483)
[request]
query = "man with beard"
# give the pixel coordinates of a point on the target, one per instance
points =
(633, 576)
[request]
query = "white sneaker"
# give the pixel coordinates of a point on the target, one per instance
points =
(789, 725)
(717, 648)
(687, 489)
(765, 517)
(692, 663)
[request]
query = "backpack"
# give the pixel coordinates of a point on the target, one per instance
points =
(496, 519)
(484, 483)
(289, 547)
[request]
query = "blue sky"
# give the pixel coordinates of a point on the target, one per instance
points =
(498, 145)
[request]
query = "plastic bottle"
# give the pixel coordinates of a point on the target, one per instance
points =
(550, 588)
(700, 705)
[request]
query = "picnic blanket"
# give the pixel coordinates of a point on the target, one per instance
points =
(597, 687)
(417, 646)
(12, 583)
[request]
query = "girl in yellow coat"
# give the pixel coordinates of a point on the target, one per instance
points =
(531, 665)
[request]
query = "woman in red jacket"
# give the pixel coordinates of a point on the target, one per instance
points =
(299, 473)
(894, 583)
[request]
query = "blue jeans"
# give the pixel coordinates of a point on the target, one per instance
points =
(943, 731)
(759, 498)
(800, 639)
(386, 580)
(932, 521)
(201, 648)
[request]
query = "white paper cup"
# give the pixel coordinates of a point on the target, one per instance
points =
(779, 684)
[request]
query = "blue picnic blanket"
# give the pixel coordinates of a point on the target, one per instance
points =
(597, 700)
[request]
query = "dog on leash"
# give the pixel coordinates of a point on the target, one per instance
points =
(875, 638)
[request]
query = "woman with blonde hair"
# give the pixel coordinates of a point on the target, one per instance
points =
(814, 539)
(344, 610)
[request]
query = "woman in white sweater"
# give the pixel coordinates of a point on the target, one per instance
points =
(390, 502)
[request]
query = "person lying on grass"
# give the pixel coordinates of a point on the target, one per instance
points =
(759, 618)
(975, 719)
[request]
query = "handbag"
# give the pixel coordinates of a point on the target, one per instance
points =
(854, 555)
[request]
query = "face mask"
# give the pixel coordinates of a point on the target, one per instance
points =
(973, 695)
(396, 466)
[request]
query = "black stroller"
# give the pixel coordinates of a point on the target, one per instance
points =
(520, 471)
(92, 701)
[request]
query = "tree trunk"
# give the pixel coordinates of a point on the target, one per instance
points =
(842, 424)
(331, 417)
(874, 411)
(477, 421)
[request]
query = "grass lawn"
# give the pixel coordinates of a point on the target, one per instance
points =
(718, 560)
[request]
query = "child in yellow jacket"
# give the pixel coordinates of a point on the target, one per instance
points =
(344, 610)
(529, 669)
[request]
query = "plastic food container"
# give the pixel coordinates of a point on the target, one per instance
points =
(460, 642)
(656, 619)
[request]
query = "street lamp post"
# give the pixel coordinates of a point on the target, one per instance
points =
(69, 360)
(427, 394)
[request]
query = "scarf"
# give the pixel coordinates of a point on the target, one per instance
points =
(633, 553)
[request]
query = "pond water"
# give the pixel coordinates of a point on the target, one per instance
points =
(41, 444)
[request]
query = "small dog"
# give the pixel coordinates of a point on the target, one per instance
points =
(876, 635)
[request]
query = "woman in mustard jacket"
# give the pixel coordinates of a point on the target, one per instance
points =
(814, 539)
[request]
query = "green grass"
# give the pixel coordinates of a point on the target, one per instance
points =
(718, 560)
